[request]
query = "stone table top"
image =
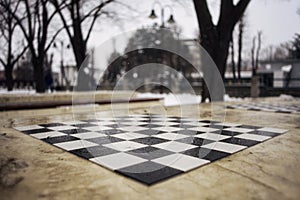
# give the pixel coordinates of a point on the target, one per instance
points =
(31, 169)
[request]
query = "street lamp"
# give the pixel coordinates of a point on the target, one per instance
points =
(154, 16)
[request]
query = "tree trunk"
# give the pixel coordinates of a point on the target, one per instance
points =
(79, 52)
(215, 39)
(253, 56)
(232, 58)
(39, 74)
(8, 78)
(240, 43)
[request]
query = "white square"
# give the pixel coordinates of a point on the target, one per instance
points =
(189, 120)
(197, 123)
(174, 146)
(132, 128)
(105, 123)
(203, 129)
(26, 128)
(61, 128)
(168, 129)
(254, 137)
(134, 123)
(89, 135)
(77, 144)
(73, 122)
(97, 128)
(47, 134)
(212, 136)
(124, 145)
(163, 119)
(273, 130)
(181, 162)
(136, 118)
(227, 124)
(171, 136)
(118, 160)
(225, 147)
(129, 136)
(239, 130)
(165, 123)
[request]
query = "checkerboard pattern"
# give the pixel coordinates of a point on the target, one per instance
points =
(278, 108)
(150, 148)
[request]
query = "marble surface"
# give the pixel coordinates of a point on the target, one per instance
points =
(31, 169)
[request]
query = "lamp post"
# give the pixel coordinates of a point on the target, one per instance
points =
(162, 11)
(170, 21)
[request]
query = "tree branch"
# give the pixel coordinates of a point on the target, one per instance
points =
(203, 15)
(66, 26)
(53, 38)
(239, 9)
(19, 55)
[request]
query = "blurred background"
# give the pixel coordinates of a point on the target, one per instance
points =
(255, 44)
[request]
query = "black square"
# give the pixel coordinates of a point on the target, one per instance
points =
(150, 140)
(93, 152)
(74, 131)
(59, 139)
(52, 125)
(149, 172)
(249, 127)
(283, 111)
(208, 121)
(149, 152)
(150, 132)
(195, 141)
(207, 154)
(228, 133)
(150, 125)
(254, 109)
(189, 132)
(184, 126)
(240, 141)
(110, 131)
(105, 140)
(34, 131)
(216, 126)
(84, 125)
(264, 133)
(146, 120)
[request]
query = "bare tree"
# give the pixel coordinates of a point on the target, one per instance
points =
(240, 44)
(232, 58)
(255, 52)
(33, 18)
(259, 34)
(76, 20)
(216, 38)
(253, 55)
(8, 30)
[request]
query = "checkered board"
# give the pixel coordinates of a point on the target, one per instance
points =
(278, 108)
(150, 148)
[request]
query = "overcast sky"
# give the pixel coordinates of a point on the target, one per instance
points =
(277, 19)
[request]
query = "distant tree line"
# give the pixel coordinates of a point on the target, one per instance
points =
(154, 39)
(38, 23)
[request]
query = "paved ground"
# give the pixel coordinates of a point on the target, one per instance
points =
(31, 169)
